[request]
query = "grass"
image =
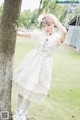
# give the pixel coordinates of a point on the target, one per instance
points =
(63, 100)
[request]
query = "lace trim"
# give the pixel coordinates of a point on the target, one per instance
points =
(30, 95)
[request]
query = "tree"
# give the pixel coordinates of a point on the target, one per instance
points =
(11, 11)
(1, 9)
(34, 15)
(25, 18)
(39, 11)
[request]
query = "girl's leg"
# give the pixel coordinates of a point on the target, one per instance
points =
(19, 102)
(25, 106)
(18, 106)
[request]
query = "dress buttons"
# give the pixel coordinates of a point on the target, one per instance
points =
(47, 39)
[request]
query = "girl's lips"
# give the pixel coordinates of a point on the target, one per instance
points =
(47, 30)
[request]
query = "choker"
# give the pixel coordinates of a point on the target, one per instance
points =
(50, 34)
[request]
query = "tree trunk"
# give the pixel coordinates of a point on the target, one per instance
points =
(11, 12)
(39, 10)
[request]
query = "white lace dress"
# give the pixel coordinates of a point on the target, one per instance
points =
(32, 78)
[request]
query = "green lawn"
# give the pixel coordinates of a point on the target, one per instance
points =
(63, 100)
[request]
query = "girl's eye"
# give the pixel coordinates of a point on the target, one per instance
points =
(48, 25)
(43, 26)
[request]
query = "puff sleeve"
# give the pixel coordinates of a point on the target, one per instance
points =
(57, 37)
(35, 35)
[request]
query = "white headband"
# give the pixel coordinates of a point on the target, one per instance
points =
(40, 18)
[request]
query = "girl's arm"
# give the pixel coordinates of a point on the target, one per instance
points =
(23, 34)
(59, 26)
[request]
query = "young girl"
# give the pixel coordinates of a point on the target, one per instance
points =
(32, 77)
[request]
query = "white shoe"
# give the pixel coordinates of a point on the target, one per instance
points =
(23, 117)
(20, 115)
(16, 116)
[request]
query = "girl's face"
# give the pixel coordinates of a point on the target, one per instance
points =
(47, 28)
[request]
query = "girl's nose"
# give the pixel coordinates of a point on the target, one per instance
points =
(46, 29)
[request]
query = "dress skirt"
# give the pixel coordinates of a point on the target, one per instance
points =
(32, 77)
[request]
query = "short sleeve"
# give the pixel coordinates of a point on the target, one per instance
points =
(35, 35)
(57, 37)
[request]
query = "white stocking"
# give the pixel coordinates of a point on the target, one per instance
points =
(19, 102)
(25, 106)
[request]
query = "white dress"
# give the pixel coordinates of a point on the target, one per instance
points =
(32, 77)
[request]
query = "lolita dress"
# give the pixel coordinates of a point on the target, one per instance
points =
(32, 78)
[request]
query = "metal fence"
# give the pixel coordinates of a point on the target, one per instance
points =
(73, 37)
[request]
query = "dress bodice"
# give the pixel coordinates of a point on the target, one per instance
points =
(46, 44)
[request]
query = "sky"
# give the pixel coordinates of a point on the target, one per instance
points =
(28, 4)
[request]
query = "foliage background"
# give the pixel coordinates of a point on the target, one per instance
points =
(28, 18)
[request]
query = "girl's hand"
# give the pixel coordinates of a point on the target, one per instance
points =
(49, 18)
(59, 26)
(56, 22)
